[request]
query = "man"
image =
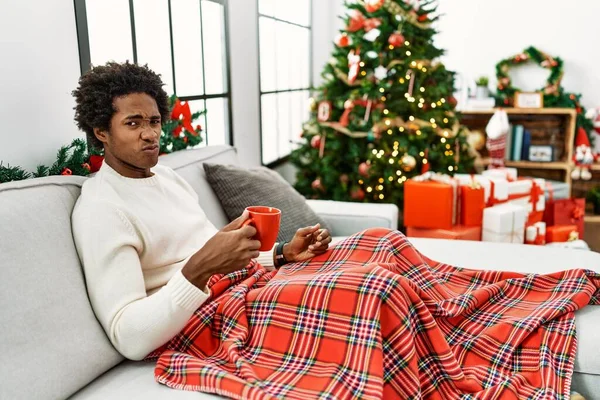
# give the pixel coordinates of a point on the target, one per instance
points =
(146, 246)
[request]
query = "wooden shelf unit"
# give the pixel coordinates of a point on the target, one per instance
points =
(564, 117)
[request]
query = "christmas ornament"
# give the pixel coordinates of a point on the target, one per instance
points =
(357, 194)
(372, 35)
(411, 84)
(353, 65)
(476, 139)
(422, 18)
(316, 184)
(370, 136)
(356, 21)
(343, 40)
(372, 23)
(583, 157)
(315, 142)
(95, 163)
(66, 171)
(324, 111)
(373, 5)
(396, 39)
(363, 169)
(86, 166)
(452, 101)
(408, 162)
(381, 72)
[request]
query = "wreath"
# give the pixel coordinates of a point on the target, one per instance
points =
(554, 94)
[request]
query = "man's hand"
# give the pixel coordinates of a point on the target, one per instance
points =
(307, 243)
(229, 250)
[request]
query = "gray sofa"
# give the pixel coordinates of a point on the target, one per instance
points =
(53, 347)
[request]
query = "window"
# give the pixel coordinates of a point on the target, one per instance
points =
(285, 74)
(183, 40)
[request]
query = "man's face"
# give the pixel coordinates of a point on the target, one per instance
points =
(134, 133)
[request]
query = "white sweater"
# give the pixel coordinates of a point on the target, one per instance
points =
(133, 237)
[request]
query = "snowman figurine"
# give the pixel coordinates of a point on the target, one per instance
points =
(583, 157)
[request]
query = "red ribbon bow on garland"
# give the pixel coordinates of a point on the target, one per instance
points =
(182, 112)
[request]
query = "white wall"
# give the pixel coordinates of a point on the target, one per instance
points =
(38, 69)
(477, 34)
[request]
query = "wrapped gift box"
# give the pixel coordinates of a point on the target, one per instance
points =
(561, 233)
(504, 223)
(536, 234)
(495, 189)
(509, 174)
(457, 232)
(556, 190)
(529, 193)
(430, 201)
(566, 212)
(472, 203)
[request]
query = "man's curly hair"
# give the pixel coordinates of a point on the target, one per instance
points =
(102, 84)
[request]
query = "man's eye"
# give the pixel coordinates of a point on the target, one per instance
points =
(155, 122)
(132, 123)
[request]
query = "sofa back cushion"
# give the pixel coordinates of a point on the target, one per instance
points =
(50, 341)
(188, 164)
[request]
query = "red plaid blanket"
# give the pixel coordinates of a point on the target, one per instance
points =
(373, 318)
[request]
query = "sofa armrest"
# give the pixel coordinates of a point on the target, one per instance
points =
(346, 218)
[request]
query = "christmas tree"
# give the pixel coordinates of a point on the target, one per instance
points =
(385, 111)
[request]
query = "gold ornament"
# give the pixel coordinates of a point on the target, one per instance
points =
(312, 104)
(408, 162)
(476, 140)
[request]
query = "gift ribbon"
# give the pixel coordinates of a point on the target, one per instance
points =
(512, 235)
(534, 195)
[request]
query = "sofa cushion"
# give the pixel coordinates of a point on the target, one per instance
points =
(135, 380)
(188, 164)
(52, 344)
(238, 188)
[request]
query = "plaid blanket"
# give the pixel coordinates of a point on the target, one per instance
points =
(373, 318)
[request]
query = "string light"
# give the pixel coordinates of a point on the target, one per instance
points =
(439, 103)
(411, 118)
(424, 161)
(362, 64)
(443, 140)
(443, 100)
(432, 120)
(386, 111)
(381, 196)
(433, 105)
(374, 151)
(407, 76)
(408, 53)
(381, 90)
(380, 187)
(391, 179)
(413, 63)
(406, 95)
(451, 168)
(388, 122)
(448, 146)
(420, 105)
(369, 189)
(419, 132)
(395, 153)
(363, 73)
(380, 180)
(445, 120)
(422, 154)
(391, 47)
(446, 133)
(383, 98)
(424, 69)
(389, 131)
(422, 89)
(398, 172)
(422, 100)
(434, 126)
(400, 180)
(392, 161)
(360, 182)
(401, 129)
(407, 43)
(420, 66)
(401, 80)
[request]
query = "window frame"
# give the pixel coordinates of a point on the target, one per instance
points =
(309, 89)
(83, 41)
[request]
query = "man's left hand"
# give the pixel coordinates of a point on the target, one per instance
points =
(307, 243)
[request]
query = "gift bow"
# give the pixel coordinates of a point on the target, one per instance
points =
(576, 214)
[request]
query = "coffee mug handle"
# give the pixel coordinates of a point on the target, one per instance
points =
(247, 222)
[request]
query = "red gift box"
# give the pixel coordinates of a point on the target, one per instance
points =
(566, 212)
(561, 233)
(429, 203)
(472, 203)
(457, 232)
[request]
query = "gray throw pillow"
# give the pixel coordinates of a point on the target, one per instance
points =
(238, 188)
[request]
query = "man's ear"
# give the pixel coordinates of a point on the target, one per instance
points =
(101, 135)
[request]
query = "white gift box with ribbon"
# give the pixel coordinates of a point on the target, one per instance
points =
(521, 192)
(504, 223)
(496, 187)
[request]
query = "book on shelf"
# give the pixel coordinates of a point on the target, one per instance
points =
(517, 143)
(526, 145)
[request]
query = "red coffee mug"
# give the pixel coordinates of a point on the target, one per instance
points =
(266, 220)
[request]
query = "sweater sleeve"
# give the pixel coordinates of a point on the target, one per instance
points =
(135, 323)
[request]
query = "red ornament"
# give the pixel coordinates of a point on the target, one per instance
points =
(422, 18)
(96, 163)
(315, 142)
(342, 40)
(86, 166)
(396, 39)
(356, 22)
(452, 101)
(357, 194)
(316, 184)
(578, 109)
(363, 169)
(373, 5)
(185, 139)
(66, 171)
(372, 23)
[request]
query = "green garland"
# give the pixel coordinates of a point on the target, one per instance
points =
(553, 92)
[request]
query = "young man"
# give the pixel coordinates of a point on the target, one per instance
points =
(146, 246)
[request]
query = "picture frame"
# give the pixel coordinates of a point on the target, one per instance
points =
(529, 100)
(541, 153)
